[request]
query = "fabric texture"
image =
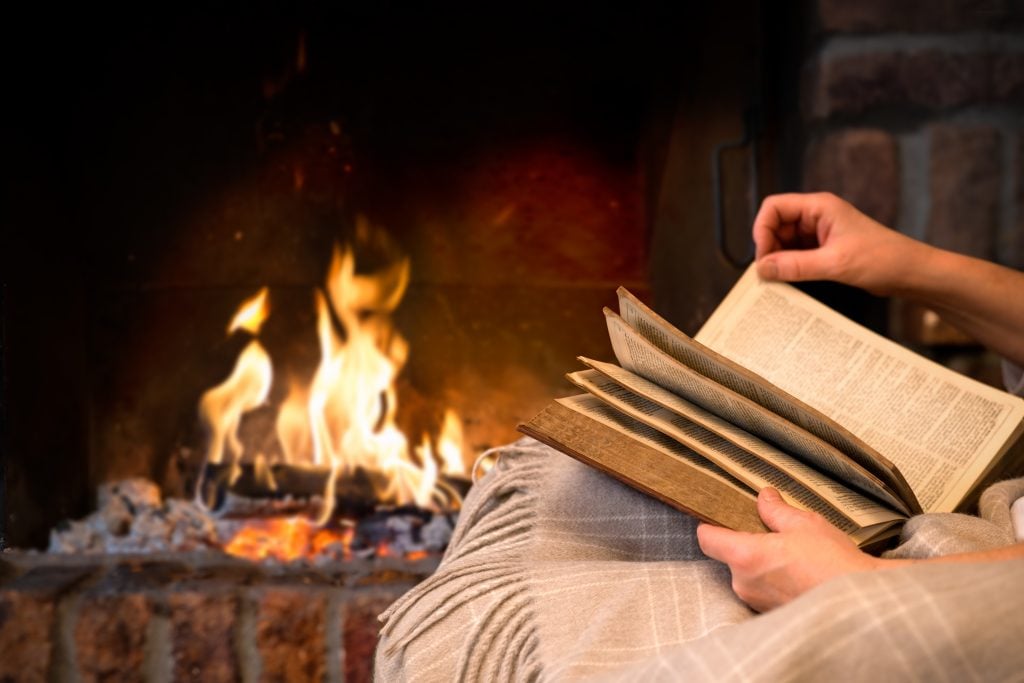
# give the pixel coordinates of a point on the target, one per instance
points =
(558, 572)
(1013, 378)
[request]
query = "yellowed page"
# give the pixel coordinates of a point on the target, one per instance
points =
(641, 357)
(596, 409)
(743, 381)
(715, 435)
(752, 471)
(941, 429)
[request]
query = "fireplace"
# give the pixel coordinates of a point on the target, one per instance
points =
(168, 174)
(162, 175)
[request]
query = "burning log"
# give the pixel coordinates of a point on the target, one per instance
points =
(133, 518)
(356, 493)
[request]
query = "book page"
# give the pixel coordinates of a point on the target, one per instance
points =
(596, 409)
(941, 429)
(608, 381)
(749, 469)
(585, 429)
(744, 382)
(640, 356)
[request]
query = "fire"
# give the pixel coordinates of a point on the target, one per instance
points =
(223, 406)
(343, 419)
(287, 539)
(252, 313)
(449, 444)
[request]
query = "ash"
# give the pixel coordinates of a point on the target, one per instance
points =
(132, 517)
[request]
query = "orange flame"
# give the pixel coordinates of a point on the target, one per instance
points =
(252, 313)
(345, 418)
(222, 407)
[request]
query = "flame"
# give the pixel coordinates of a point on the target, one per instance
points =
(450, 444)
(293, 425)
(222, 407)
(344, 419)
(252, 313)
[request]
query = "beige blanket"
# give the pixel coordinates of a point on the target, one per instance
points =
(557, 572)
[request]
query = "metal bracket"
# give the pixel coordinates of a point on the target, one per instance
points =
(750, 135)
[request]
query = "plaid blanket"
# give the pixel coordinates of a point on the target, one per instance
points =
(558, 572)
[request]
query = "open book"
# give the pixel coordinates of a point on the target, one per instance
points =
(779, 390)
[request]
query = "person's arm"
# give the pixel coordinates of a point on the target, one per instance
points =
(821, 237)
(801, 551)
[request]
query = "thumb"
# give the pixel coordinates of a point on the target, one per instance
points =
(795, 265)
(777, 514)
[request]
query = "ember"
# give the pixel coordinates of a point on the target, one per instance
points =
(132, 518)
(288, 539)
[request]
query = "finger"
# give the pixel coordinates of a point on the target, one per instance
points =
(795, 265)
(720, 543)
(776, 213)
(777, 514)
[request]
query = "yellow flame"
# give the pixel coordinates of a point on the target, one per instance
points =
(252, 313)
(345, 418)
(450, 444)
(293, 426)
(221, 408)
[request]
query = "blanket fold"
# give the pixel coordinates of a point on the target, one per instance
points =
(558, 572)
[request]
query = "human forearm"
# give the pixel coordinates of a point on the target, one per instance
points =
(821, 237)
(983, 299)
(1010, 552)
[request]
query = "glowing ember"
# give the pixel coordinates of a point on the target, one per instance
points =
(287, 539)
(344, 418)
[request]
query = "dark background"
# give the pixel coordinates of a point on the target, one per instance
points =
(122, 126)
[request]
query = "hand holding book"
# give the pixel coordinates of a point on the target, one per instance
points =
(802, 237)
(771, 569)
(776, 389)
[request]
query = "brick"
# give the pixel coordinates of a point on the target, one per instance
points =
(860, 165)
(843, 16)
(930, 78)
(965, 180)
(361, 631)
(110, 636)
(1008, 76)
(290, 633)
(202, 635)
(26, 624)
(28, 608)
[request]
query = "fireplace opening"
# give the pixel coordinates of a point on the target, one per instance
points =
(166, 173)
(210, 213)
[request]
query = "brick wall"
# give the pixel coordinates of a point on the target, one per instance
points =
(201, 618)
(915, 113)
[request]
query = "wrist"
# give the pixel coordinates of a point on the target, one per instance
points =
(921, 271)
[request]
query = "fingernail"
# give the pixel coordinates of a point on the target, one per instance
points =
(769, 492)
(768, 269)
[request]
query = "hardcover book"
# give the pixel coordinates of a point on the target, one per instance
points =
(777, 389)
